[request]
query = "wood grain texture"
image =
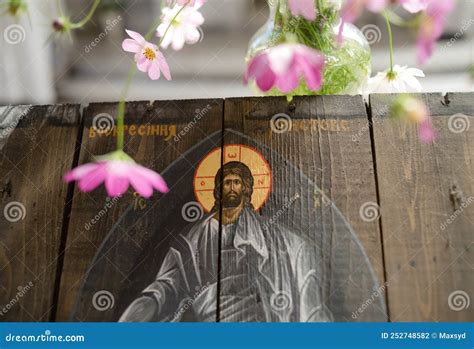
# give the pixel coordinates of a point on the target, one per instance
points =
(33, 159)
(421, 247)
(427, 202)
(170, 129)
(328, 140)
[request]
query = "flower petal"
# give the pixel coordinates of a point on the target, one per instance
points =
(426, 132)
(143, 64)
(414, 6)
(136, 36)
(304, 8)
(93, 180)
(281, 58)
(130, 45)
(116, 185)
(163, 64)
(141, 184)
(192, 35)
(154, 70)
(260, 71)
(195, 18)
(80, 172)
(288, 82)
(312, 68)
(166, 41)
(154, 178)
(178, 39)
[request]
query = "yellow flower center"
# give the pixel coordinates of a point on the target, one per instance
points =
(149, 53)
(391, 75)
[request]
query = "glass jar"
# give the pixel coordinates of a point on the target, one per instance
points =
(348, 64)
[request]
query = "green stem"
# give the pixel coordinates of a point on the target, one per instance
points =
(390, 38)
(131, 75)
(171, 23)
(319, 6)
(284, 15)
(88, 17)
(395, 19)
(121, 108)
(60, 8)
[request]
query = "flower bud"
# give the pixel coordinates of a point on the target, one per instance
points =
(413, 110)
(16, 7)
(58, 25)
(410, 109)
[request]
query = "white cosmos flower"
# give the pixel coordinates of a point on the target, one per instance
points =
(184, 29)
(401, 80)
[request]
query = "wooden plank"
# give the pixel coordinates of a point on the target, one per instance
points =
(319, 152)
(37, 148)
(123, 243)
(427, 196)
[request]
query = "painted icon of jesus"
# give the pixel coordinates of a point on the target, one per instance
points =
(265, 272)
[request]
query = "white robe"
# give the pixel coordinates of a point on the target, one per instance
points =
(267, 274)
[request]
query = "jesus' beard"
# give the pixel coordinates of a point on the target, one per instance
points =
(231, 200)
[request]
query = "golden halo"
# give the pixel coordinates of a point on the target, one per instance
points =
(209, 166)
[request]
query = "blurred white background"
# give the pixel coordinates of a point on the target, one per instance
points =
(37, 69)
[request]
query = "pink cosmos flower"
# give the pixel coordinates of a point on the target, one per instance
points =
(117, 175)
(432, 27)
(304, 8)
(283, 66)
(352, 9)
(414, 111)
(147, 56)
(414, 6)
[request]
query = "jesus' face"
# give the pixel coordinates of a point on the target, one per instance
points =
(232, 191)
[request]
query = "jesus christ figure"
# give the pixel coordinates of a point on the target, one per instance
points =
(263, 273)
